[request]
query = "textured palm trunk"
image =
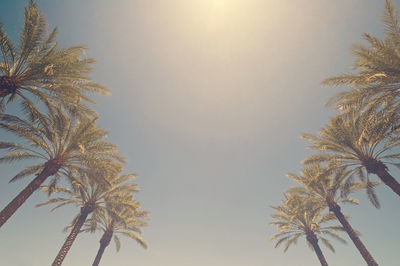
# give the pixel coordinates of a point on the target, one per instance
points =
(313, 240)
(85, 211)
(377, 167)
(50, 168)
(104, 242)
(335, 208)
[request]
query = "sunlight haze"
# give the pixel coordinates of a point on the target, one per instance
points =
(209, 99)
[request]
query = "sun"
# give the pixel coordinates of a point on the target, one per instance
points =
(218, 12)
(219, 3)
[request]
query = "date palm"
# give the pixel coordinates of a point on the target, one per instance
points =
(328, 188)
(359, 141)
(91, 197)
(299, 217)
(118, 220)
(39, 67)
(376, 81)
(60, 143)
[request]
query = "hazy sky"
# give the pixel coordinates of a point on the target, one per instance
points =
(209, 98)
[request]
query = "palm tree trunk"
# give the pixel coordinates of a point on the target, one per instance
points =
(104, 242)
(321, 257)
(50, 168)
(388, 180)
(71, 238)
(99, 255)
(313, 240)
(335, 208)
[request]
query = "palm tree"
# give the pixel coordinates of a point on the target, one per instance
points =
(328, 188)
(90, 196)
(298, 217)
(63, 143)
(376, 82)
(39, 67)
(118, 220)
(359, 141)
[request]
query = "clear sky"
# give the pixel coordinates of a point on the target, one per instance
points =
(209, 98)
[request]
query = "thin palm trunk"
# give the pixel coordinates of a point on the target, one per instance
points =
(51, 167)
(388, 180)
(335, 208)
(104, 242)
(99, 255)
(378, 168)
(318, 251)
(71, 238)
(313, 240)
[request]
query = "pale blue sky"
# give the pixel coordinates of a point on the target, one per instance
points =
(209, 98)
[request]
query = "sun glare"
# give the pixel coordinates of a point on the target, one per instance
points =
(218, 13)
(219, 3)
(213, 41)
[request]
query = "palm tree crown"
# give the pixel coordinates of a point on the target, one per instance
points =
(118, 219)
(359, 141)
(39, 67)
(377, 79)
(71, 143)
(298, 217)
(85, 189)
(326, 184)
(65, 145)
